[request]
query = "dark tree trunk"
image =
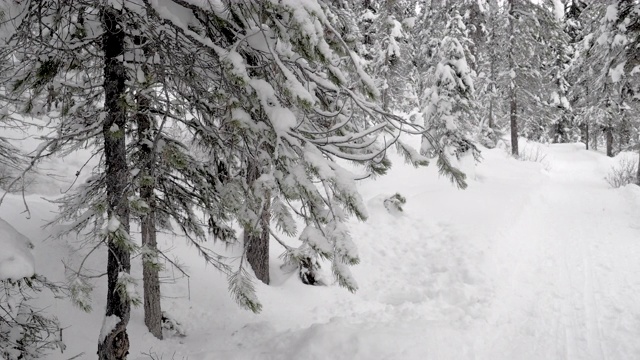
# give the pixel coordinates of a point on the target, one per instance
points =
(115, 345)
(258, 244)
(513, 104)
(491, 99)
(586, 134)
(490, 114)
(150, 271)
(638, 172)
(608, 134)
(513, 112)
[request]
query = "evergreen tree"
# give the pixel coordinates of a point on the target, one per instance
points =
(587, 85)
(447, 96)
(489, 89)
(292, 121)
(604, 62)
(533, 34)
(388, 25)
(560, 111)
(245, 95)
(621, 37)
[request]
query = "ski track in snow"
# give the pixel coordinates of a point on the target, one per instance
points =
(571, 261)
(526, 263)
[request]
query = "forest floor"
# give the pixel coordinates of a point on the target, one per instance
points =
(534, 260)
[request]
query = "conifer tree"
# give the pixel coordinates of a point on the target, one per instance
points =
(490, 66)
(586, 92)
(447, 95)
(620, 36)
(603, 63)
(387, 26)
(533, 34)
(304, 119)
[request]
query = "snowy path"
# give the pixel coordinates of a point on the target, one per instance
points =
(525, 264)
(572, 267)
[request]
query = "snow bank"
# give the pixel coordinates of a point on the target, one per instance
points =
(16, 260)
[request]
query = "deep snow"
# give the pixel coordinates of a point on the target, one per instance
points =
(16, 260)
(532, 261)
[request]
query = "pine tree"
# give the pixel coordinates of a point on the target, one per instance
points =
(621, 32)
(560, 110)
(604, 59)
(115, 345)
(293, 120)
(387, 26)
(490, 66)
(531, 37)
(574, 28)
(40, 55)
(447, 96)
(586, 92)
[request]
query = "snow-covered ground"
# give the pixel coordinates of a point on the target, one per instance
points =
(532, 261)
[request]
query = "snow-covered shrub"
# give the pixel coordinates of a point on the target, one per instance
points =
(394, 203)
(624, 173)
(534, 154)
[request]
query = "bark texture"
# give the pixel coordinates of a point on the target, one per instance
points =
(115, 345)
(513, 114)
(608, 135)
(258, 244)
(638, 172)
(586, 134)
(513, 103)
(150, 270)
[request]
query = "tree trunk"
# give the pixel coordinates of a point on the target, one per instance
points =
(586, 133)
(513, 112)
(115, 345)
(491, 95)
(513, 104)
(638, 172)
(608, 134)
(150, 270)
(258, 244)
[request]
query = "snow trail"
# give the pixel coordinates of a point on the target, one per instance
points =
(572, 260)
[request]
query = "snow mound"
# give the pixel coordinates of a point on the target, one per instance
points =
(16, 260)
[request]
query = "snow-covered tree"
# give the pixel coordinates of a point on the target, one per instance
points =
(620, 37)
(607, 82)
(292, 114)
(585, 69)
(530, 37)
(447, 96)
(211, 115)
(490, 66)
(387, 26)
(560, 111)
